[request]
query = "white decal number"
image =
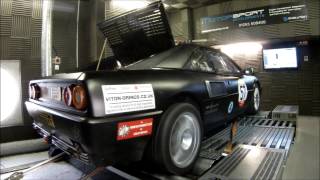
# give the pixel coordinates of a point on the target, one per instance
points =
(243, 92)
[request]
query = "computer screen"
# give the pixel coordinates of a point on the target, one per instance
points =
(280, 58)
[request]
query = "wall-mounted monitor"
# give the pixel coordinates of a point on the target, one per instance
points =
(280, 58)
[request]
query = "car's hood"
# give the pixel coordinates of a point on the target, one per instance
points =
(138, 34)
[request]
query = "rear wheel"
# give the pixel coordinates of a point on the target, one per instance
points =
(254, 104)
(178, 138)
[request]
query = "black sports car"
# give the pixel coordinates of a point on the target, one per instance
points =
(160, 106)
(163, 104)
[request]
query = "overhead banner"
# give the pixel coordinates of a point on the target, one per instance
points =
(276, 14)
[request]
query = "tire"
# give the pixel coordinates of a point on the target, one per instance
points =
(254, 104)
(180, 123)
(53, 151)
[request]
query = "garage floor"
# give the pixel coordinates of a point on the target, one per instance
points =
(303, 161)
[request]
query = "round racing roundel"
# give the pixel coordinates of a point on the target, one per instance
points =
(243, 92)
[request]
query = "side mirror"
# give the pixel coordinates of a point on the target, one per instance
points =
(249, 71)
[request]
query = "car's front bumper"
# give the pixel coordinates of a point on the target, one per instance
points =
(90, 139)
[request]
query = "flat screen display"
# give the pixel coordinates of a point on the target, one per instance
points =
(280, 58)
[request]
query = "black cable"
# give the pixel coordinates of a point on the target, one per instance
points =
(54, 50)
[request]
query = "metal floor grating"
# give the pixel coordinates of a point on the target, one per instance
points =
(265, 122)
(260, 132)
(270, 166)
(248, 162)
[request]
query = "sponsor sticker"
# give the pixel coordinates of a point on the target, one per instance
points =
(243, 92)
(230, 107)
(128, 98)
(133, 129)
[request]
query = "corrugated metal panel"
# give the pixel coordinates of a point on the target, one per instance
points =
(302, 28)
(5, 7)
(5, 24)
(37, 9)
(36, 49)
(19, 20)
(35, 65)
(25, 89)
(271, 31)
(228, 7)
(22, 7)
(21, 26)
(313, 7)
(305, 92)
(19, 48)
(4, 53)
(316, 107)
(36, 28)
(64, 47)
(67, 65)
(64, 33)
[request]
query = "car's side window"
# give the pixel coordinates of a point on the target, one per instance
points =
(222, 63)
(210, 61)
(229, 63)
(198, 61)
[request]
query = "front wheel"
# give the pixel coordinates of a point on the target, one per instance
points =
(254, 104)
(178, 138)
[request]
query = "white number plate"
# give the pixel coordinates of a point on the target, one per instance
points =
(55, 93)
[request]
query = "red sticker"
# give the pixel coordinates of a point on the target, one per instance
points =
(133, 129)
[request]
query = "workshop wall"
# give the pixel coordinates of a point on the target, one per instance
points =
(300, 87)
(181, 24)
(64, 33)
(20, 39)
(64, 28)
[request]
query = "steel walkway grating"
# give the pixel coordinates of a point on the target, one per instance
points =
(227, 165)
(248, 162)
(254, 131)
(270, 166)
(275, 138)
(264, 122)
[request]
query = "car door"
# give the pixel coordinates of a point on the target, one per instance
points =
(236, 87)
(221, 81)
